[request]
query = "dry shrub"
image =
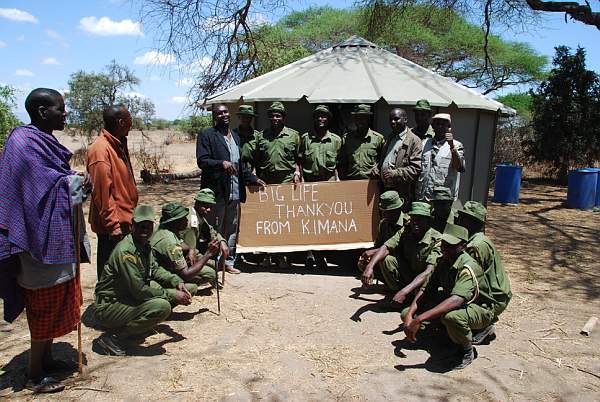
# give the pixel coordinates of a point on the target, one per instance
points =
(152, 161)
(79, 156)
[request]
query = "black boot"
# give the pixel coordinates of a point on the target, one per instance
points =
(484, 336)
(468, 355)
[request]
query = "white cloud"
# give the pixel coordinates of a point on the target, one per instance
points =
(22, 72)
(20, 38)
(185, 82)
(154, 57)
(2, 44)
(107, 27)
(180, 99)
(17, 15)
(154, 78)
(51, 61)
(57, 37)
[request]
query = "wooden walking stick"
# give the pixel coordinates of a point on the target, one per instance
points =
(78, 278)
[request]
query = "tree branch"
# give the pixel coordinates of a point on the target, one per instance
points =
(579, 12)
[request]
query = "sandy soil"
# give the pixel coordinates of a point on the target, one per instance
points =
(297, 335)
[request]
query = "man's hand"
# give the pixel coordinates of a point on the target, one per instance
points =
(387, 174)
(116, 235)
(374, 172)
(224, 249)
(367, 255)
(367, 276)
(261, 183)
(450, 138)
(399, 297)
(229, 168)
(191, 256)
(410, 329)
(182, 295)
(297, 178)
(213, 248)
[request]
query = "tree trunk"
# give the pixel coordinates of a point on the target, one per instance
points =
(150, 178)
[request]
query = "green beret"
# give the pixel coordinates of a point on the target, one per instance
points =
(276, 107)
(143, 213)
(362, 109)
(441, 193)
(246, 110)
(454, 234)
(173, 211)
(390, 200)
(423, 104)
(420, 208)
(206, 195)
(322, 109)
(475, 210)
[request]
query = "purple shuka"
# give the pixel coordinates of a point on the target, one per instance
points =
(35, 203)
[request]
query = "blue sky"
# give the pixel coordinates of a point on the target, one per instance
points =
(42, 43)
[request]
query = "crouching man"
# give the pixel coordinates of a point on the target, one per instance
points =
(457, 293)
(134, 293)
(170, 250)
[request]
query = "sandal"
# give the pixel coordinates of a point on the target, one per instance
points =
(45, 385)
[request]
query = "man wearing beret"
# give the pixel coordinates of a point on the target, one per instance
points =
(218, 155)
(458, 295)
(472, 216)
(134, 293)
(407, 257)
(422, 113)
(392, 221)
(443, 212)
(442, 160)
(361, 148)
(170, 251)
(400, 163)
(200, 235)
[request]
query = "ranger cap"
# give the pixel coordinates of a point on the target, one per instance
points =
(205, 195)
(173, 211)
(475, 210)
(390, 200)
(454, 234)
(423, 104)
(143, 213)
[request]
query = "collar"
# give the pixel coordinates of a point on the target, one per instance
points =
(326, 137)
(112, 140)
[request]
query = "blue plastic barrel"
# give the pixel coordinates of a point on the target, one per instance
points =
(508, 184)
(582, 188)
(597, 187)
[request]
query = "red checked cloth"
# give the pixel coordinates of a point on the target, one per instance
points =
(53, 312)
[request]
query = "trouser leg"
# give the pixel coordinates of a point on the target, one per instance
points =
(132, 320)
(231, 218)
(207, 274)
(105, 247)
(460, 323)
(390, 271)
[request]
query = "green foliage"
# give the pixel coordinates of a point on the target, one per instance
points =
(520, 101)
(566, 114)
(433, 37)
(8, 120)
(90, 93)
(194, 124)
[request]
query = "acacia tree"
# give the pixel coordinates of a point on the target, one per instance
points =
(441, 40)
(90, 93)
(8, 120)
(566, 114)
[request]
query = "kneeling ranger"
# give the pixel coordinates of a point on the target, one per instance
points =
(134, 293)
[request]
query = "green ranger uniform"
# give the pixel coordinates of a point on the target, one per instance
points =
(245, 110)
(359, 154)
(167, 246)
(464, 278)
(439, 225)
(482, 249)
(428, 134)
(423, 105)
(319, 156)
(409, 256)
(199, 237)
(134, 293)
(274, 155)
(443, 194)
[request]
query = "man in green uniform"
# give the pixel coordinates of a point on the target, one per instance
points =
(457, 293)
(319, 149)
(392, 221)
(134, 293)
(361, 149)
(199, 236)
(274, 151)
(245, 130)
(170, 250)
(406, 258)
(443, 212)
(422, 112)
(482, 249)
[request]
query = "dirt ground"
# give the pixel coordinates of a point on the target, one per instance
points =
(299, 335)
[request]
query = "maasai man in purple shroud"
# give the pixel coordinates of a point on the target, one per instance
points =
(38, 191)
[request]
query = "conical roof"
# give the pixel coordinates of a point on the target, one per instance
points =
(356, 71)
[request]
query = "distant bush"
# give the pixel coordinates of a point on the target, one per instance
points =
(194, 124)
(8, 120)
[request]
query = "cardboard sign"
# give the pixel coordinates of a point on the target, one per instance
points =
(326, 215)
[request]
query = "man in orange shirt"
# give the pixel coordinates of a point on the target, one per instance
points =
(114, 196)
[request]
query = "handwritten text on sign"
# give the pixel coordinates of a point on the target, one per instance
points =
(322, 214)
